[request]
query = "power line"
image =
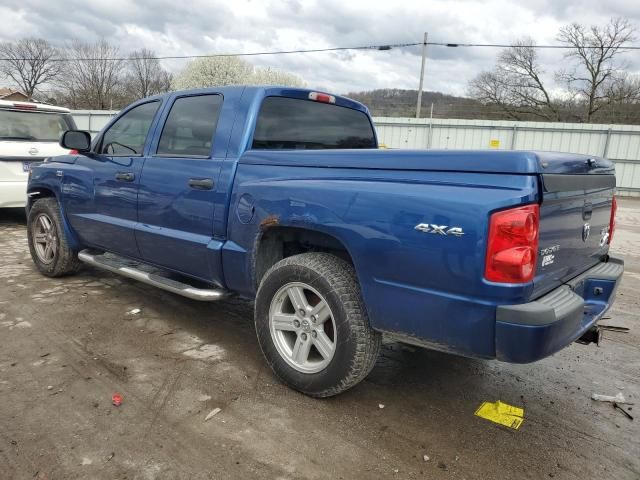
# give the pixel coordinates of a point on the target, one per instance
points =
(382, 47)
(246, 54)
(506, 45)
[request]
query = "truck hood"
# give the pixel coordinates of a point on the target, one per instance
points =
(481, 161)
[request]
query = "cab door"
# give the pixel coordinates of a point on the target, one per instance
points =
(101, 190)
(179, 192)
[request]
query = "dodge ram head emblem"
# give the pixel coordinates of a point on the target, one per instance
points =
(439, 229)
(586, 231)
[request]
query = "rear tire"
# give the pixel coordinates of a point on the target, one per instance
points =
(312, 324)
(48, 243)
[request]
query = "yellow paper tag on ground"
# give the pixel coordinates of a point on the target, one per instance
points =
(501, 413)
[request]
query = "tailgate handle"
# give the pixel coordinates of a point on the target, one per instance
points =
(201, 183)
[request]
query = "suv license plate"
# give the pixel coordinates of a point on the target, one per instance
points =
(26, 166)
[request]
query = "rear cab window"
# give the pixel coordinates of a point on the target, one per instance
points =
(190, 126)
(296, 124)
(33, 126)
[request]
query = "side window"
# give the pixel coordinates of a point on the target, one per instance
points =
(190, 125)
(127, 135)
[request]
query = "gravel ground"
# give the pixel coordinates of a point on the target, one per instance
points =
(66, 345)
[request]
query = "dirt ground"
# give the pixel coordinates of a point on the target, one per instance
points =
(66, 345)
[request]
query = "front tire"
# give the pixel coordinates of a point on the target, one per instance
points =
(48, 243)
(312, 325)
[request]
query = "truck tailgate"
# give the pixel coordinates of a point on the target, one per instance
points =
(577, 199)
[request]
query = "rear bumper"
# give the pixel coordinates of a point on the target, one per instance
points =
(13, 194)
(531, 331)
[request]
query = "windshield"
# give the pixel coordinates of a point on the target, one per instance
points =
(33, 126)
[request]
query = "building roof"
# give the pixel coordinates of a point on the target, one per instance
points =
(7, 92)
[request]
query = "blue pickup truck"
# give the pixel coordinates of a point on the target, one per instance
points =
(282, 195)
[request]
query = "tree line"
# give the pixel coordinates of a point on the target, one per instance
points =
(594, 84)
(96, 75)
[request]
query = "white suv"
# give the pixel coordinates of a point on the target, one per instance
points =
(29, 132)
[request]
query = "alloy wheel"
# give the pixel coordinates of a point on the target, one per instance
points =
(303, 327)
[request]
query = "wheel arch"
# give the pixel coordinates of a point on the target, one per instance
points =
(277, 242)
(35, 193)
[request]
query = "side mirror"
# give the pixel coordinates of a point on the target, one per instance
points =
(76, 140)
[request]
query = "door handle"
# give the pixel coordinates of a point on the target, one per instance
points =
(201, 183)
(125, 177)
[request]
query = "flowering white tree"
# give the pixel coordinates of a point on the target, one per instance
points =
(269, 76)
(221, 71)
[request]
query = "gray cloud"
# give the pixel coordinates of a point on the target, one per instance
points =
(215, 26)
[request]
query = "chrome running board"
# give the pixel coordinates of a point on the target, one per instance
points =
(149, 275)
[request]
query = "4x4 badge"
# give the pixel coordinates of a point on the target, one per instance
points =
(439, 229)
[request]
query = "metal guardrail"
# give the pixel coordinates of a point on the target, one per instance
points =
(92, 120)
(619, 143)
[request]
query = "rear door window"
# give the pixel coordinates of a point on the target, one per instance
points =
(126, 137)
(190, 126)
(290, 123)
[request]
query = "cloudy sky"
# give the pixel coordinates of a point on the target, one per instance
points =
(173, 27)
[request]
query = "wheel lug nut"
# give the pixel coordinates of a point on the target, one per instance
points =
(314, 319)
(304, 336)
(302, 312)
(314, 334)
(296, 323)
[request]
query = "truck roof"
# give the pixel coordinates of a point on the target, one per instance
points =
(32, 106)
(271, 90)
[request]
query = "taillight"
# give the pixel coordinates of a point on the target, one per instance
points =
(612, 220)
(512, 245)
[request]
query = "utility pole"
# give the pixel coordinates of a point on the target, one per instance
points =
(424, 57)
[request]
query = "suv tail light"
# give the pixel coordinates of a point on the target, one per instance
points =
(512, 245)
(612, 220)
(25, 106)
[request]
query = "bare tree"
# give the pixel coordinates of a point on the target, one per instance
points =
(623, 105)
(516, 84)
(93, 76)
(596, 77)
(145, 75)
(30, 63)
(490, 88)
(521, 67)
